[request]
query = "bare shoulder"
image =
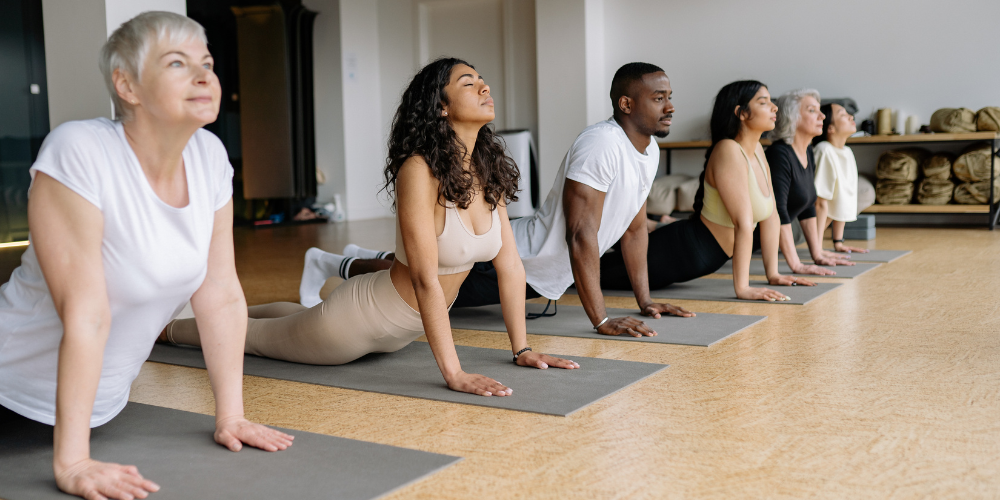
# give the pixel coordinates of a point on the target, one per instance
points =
(415, 172)
(726, 155)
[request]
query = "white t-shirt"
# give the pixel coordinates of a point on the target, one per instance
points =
(837, 180)
(603, 158)
(155, 257)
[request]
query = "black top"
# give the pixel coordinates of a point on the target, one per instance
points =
(794, 191)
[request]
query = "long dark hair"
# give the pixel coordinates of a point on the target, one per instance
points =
(725, 123)
(827, 110)
(420, 129)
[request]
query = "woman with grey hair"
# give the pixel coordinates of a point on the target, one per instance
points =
(130, 219)
(793, 168)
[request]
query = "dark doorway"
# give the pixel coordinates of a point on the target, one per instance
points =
(220, 19)
(24, 109)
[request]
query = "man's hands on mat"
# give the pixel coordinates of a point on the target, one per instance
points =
(655, 309)
(626, 326)
(95, 480)
(543, 361)
(233, 431)
(474, 383)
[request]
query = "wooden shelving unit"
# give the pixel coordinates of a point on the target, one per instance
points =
(992, 209)
(927, 209)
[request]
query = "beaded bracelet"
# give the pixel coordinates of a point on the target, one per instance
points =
(519, 353)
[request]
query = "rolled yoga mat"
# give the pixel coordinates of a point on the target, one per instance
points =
(703, 330)
(845, 272)
(883, 256)
(175, 449)
(722, 290)
(412, 372)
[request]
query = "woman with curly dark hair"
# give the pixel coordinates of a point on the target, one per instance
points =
(450, 203)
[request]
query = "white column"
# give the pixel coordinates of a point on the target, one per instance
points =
(364, 151)
(75, 30)
(328, 99)
(572, 93)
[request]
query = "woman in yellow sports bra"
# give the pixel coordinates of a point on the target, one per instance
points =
(735, 195)
(451, 181)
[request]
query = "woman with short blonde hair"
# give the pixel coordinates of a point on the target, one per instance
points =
(130, 219)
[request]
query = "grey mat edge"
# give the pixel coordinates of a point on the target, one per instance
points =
(612, 311)
(867, 266)
(855, 257)
(652, 293)
(429, 462)
(421, 478)
(472, 402)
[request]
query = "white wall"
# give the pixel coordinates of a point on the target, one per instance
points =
(75, 30)
(118, 11)
(916, 55)
(364, 145)
(328, 98)
(74, 33)
(570, 62)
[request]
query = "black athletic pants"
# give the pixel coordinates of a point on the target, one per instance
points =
(481, 287)
(678, 252)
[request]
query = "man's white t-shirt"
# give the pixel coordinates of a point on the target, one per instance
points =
(603, 158)
(155, 257)
(837, 180)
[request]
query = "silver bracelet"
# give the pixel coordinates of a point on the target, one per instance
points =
(603, 321)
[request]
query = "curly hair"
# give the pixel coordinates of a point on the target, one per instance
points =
(419, 128)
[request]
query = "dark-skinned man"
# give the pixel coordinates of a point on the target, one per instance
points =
(599, 198)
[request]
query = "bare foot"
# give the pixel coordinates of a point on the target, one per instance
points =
(305, 214)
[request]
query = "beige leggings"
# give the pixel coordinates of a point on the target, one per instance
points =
(364, 314)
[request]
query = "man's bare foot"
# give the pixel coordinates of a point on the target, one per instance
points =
(162, 338)
(304, 214)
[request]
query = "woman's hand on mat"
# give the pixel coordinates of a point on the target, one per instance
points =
(232, 432)
(755, 293)
(626, 326)
(840, 247)
(812, 269)
(836, 260)
(543, 361)
(480, 385)
(655, 309)
(95, 480)
(782, 280)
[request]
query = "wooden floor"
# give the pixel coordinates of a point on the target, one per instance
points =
(888, 387)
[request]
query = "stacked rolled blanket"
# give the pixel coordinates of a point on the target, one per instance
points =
(973, 168)
(896, 171)
(936, 188)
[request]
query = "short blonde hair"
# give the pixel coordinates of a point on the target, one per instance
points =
(788, 113)
(128, 46)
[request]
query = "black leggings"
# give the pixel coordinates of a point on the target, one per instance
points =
(678, 252)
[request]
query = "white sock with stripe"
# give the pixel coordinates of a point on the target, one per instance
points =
(319, 267)
(352, 250)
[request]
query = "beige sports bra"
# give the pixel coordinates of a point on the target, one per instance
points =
(715, 211)
(458, 247)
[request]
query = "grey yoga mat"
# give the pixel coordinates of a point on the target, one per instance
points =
(704, 329)
(722, 290)
(175, 449)
(847, 272)
(883, 256)
(412, 372)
